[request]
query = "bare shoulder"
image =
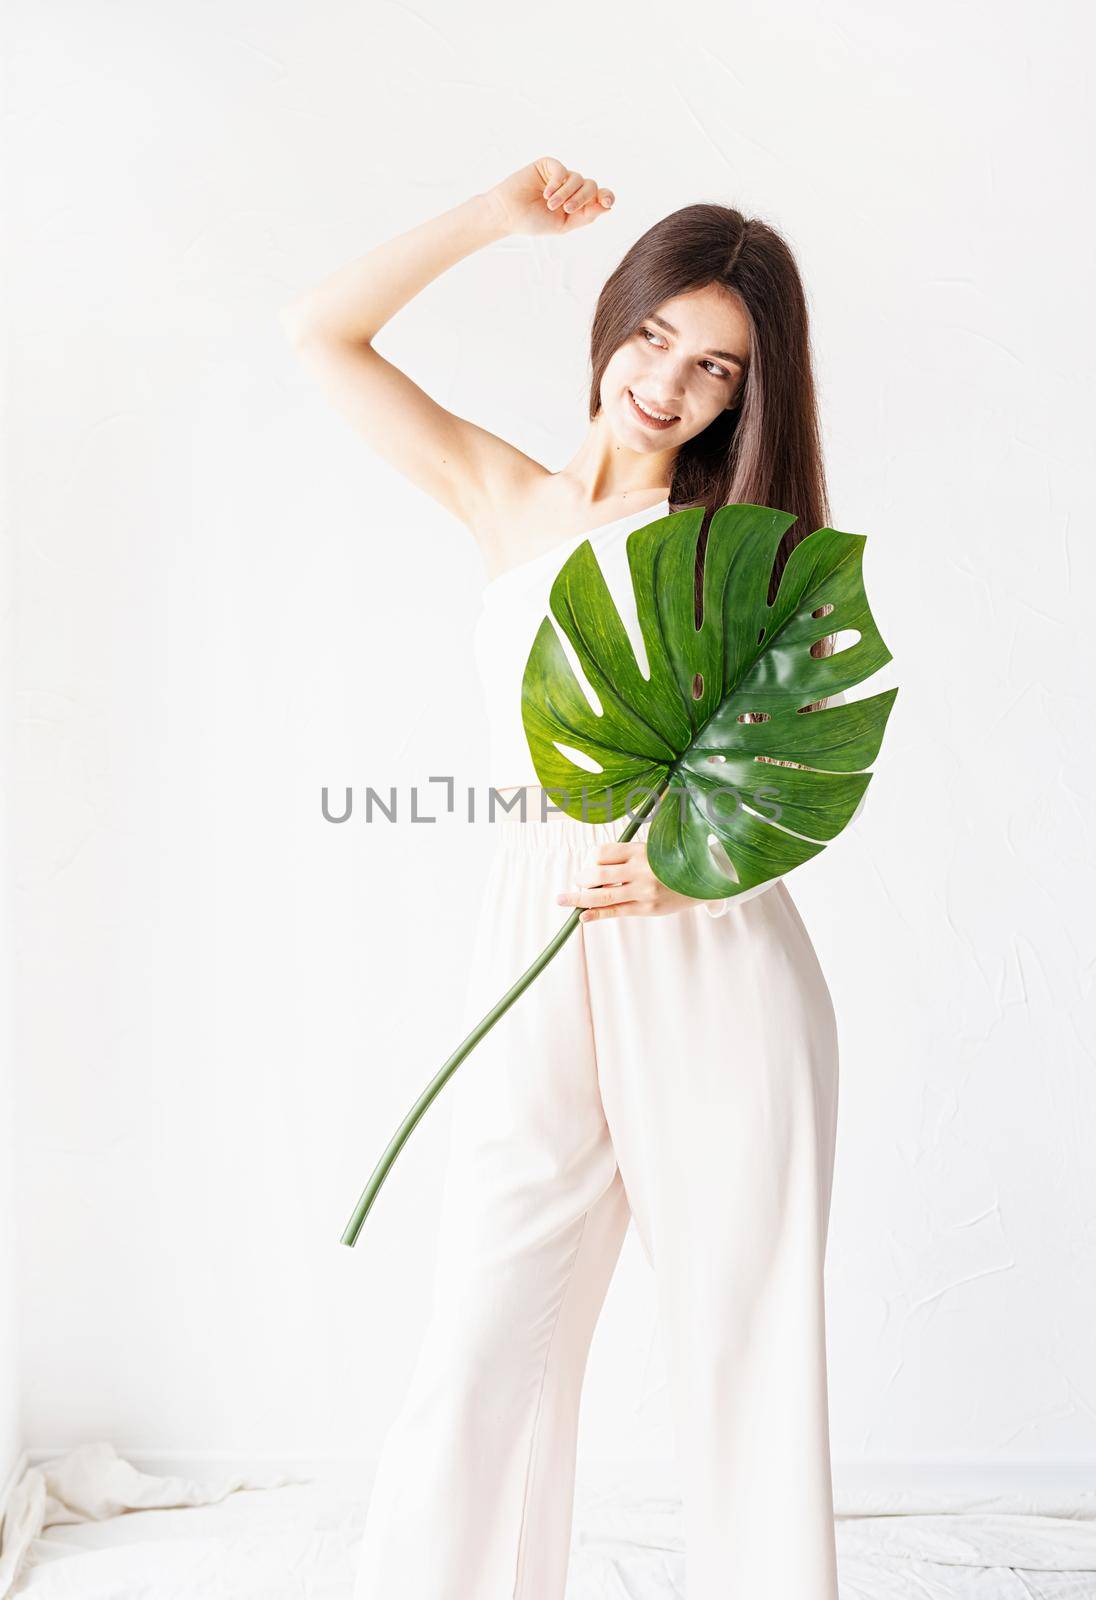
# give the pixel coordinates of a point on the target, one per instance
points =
(529, 511)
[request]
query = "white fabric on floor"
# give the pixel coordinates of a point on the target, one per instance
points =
(92, 1526)
(128, 1511)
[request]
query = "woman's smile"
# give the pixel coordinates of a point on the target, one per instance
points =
(649, 421)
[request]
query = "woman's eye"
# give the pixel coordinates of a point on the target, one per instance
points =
(719, 372)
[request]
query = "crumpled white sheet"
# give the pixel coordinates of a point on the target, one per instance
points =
(93, 1484)
(933, 1545)
(91, 1526)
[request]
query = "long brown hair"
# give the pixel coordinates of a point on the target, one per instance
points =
(767, 449)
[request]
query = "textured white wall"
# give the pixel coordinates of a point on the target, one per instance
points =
(11, 1424)
(227, 1005)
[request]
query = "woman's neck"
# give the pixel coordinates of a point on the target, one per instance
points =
(604, 471)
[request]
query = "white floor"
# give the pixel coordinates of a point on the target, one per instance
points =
(204, 1537)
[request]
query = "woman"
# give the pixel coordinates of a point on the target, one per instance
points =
(665, 1066)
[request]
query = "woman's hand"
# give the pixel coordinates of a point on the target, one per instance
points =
(546, 197)
(616, 881)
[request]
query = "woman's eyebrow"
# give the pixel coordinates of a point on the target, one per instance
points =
(723, 355)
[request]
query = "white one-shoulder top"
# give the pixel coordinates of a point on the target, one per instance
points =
(513, 607)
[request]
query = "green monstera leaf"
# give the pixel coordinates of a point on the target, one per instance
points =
(769, 793)
(717, 734)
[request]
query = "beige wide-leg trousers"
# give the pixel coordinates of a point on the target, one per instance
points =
(681, 1070)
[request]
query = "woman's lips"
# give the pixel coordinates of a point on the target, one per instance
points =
(649, 422)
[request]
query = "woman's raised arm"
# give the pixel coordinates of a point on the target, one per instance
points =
(333, 327)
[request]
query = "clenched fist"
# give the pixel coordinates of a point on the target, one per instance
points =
(546, 197)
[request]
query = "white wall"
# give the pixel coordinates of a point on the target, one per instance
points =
(11, 1430)
(227, 1005)
(11, 1422)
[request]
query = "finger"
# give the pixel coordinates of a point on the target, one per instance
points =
(622, 908)
(589, 879)
(552, 171)
(582, 196)
(607, 895)
(589, 213)
(613, 851)
(631, 899)
(570, 185)
(594, 874)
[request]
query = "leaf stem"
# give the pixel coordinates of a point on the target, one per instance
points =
(437, 1083)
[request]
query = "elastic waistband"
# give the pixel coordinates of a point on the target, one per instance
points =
(537, 826)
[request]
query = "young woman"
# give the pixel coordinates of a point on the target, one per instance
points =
(677, 1063)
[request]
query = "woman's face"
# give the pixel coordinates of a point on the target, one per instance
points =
(687, 361)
